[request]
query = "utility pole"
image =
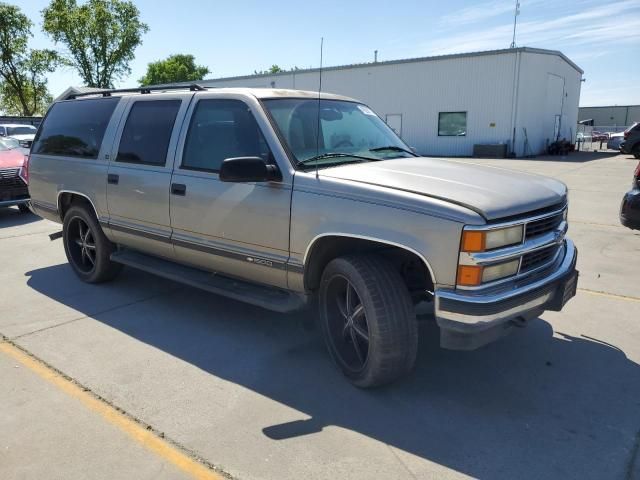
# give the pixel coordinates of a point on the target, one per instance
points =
(515, 20)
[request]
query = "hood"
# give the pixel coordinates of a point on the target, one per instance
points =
(490, 191)
(11, 158)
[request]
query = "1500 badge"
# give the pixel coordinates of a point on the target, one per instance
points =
(260, 261)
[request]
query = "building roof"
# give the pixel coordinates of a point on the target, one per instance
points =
(611, 106)
(75, 91)
(406, 60)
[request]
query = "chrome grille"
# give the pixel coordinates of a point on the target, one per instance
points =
(9, 172)
(544, 225)
(9, 178)
(539, 258)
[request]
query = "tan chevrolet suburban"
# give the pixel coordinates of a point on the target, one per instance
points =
(286, 199)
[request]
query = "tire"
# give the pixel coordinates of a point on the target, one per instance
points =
(23, 208)
(87, 248)
(636, 151)
(379, 308)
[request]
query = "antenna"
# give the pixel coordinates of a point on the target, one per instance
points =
(319, 92)
(515, 20)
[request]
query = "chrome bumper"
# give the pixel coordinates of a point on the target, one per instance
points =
(468, 311)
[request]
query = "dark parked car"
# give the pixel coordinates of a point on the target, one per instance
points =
(630, 209)
(631, 142)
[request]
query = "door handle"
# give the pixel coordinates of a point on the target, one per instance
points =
(113, 179)
(178, 189)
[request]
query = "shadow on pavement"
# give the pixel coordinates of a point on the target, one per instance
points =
(11, 217)
(533, 405)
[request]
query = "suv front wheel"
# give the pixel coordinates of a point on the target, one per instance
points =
(368, 319)
(88, 250)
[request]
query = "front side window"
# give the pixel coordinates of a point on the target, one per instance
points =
(146, 135)
(222, 129)
(452, 124)
(348, 131)
(75, 128)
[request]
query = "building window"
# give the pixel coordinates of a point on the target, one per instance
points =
(452, 124)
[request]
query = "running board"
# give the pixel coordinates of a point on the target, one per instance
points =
(270, 298)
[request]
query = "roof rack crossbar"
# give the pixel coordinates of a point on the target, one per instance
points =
(194, 87)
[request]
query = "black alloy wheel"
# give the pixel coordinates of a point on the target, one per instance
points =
(348, 328)
(82, 245)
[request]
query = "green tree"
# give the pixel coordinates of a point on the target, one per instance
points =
(175, 68)
(23, 84)
(100, 37)
(273, 69)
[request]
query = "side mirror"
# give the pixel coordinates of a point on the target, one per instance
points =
(248, 169)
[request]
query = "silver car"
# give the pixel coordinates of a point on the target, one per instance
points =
(287, 200)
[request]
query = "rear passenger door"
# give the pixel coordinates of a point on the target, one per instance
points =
(241, 229)
(140, 172)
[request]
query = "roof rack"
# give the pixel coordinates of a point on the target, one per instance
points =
(194, 87)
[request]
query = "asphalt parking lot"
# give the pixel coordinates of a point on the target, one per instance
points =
(253, 393)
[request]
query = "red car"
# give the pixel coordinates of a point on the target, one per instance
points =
(13, 175)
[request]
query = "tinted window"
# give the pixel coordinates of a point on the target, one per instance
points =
(452, 124)
(75, 128)
(146, 135)
(222, 129)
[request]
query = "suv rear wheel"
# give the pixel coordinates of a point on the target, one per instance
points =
(368, 320)
(87, 248)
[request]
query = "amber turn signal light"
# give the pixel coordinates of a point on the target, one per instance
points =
(473, 241)
(469, 275)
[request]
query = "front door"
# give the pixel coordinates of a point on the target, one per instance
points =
(240, 229)
(140, 172)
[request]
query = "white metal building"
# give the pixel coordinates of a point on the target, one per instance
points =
(447, 104)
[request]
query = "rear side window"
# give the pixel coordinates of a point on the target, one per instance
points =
(222, 129)
(146, 135)
(75, 128)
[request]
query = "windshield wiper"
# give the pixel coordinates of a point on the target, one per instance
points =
(336, 155)
(393, 148)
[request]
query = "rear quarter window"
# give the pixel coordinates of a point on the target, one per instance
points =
(75, 128)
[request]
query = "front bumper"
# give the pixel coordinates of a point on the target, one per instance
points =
(470, 319)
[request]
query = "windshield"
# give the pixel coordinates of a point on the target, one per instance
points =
(346, 128)
(21, 131)
(8, 144)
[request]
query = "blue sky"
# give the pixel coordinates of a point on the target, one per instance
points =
(236, 38)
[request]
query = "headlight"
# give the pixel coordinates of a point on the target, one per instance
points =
(479, 241)
(501, 270)
(474, 275)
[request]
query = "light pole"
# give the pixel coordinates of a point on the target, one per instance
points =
(515, 20)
